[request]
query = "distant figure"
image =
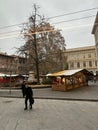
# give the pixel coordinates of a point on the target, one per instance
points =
(28, 96)
(94, 79)
(23, 87)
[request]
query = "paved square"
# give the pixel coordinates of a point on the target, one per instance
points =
(48, 115)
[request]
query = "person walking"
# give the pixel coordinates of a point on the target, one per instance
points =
(23, 88)
(28, 96)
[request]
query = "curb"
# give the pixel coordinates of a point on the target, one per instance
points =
(54, 98)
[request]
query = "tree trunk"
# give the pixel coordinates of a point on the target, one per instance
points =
(37, 60)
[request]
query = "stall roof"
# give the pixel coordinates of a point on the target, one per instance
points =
(70, 72)
(2, 75)
(8, 75)
(12, 75)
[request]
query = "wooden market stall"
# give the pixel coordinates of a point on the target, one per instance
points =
(70, 79)
(13, 80)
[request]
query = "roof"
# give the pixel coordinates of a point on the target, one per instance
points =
(12, 75)
(2, 75)
(80, 49)
(8, 75)
(70, 72)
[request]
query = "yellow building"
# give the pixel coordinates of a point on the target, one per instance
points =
(82, 58)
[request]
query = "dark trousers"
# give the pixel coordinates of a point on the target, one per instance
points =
(26, 101)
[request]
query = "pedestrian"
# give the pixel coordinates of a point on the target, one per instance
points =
(94, 79)
(28, 96)
(23, 88)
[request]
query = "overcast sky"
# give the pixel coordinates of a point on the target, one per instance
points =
(77, 33)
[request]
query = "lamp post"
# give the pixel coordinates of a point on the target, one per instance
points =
(10, 77)
(10, 81)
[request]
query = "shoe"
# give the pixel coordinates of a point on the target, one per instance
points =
(25, 108)
(30, 107)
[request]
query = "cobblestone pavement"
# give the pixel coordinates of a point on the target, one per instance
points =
(48, 115)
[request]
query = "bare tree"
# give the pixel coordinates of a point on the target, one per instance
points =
(43, 42)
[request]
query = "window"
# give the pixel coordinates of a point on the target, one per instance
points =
(89, 55)
(23, 61)
(90, 63)
(84, 64)
(20, 61)
(78, 65)
(95, 63)
(72, 65)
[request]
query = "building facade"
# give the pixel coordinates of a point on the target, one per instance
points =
(82, 58)
(11, 64)
(77, 58)
(95, 33)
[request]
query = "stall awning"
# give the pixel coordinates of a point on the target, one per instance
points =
(70, 72)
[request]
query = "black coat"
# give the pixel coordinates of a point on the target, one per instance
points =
(23, 87)
(28, 92)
